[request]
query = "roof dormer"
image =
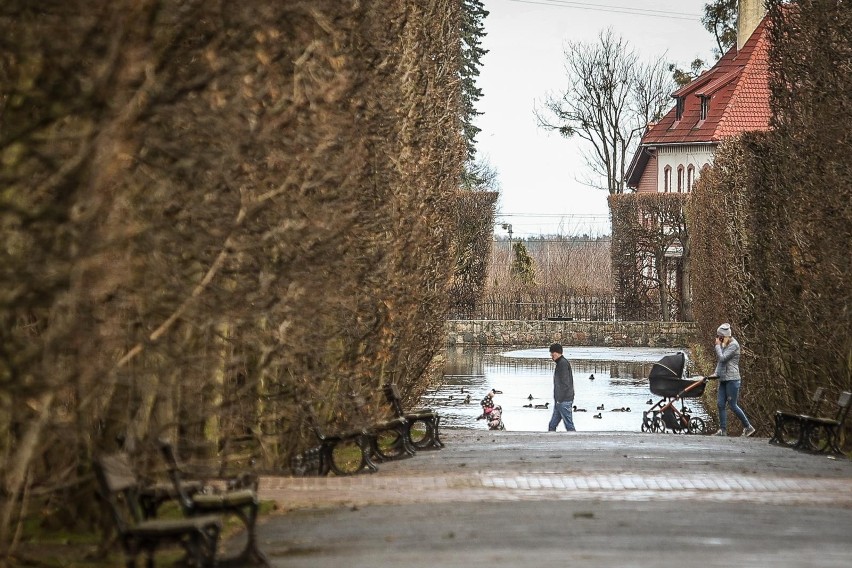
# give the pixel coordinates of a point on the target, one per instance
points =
(705, 107)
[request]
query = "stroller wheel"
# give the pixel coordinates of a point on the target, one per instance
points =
(696, 425)
(647, 426)
(659, 425)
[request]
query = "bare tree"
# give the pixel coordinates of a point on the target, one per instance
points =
(646, 226)
(612, 98)
(480, 175)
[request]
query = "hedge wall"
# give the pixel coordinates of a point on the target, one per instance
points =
(212, 215)
(772, 222)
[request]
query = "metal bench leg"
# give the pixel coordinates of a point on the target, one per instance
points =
(250, 554)
(437, 438)
(366, 445)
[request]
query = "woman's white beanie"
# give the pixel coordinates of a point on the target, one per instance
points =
(724, 330)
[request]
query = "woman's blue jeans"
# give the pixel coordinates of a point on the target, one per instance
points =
(562, 411)
(729, 392)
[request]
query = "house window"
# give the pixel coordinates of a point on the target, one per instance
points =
(705, 107)
(679, 108)
(680, 179)
(690, 177)
(667, 179)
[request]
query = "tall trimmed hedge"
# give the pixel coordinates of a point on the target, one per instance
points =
(645, 228)
(213, 214)
(772, 221)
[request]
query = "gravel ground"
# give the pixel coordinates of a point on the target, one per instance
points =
(615, 499)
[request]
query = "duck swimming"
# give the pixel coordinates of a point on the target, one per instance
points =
(542, 406)
(601, 407)
(598, 415)
(467, 399)
(530, 397)
(528, 406)
(592, 377)
(579, 409)
(650, 401)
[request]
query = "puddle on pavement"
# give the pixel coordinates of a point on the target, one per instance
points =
(620, 381)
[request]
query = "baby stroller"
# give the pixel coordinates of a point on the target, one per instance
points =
(667, 380)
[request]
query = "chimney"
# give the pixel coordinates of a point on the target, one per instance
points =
(749, 15)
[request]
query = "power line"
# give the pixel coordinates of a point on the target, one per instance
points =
(557, 215)
(612, 9)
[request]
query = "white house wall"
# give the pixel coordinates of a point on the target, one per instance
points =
(697, 155)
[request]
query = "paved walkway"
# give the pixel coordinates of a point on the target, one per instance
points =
(615, 499)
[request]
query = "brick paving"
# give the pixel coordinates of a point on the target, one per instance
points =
(668, 472)
(301, 493)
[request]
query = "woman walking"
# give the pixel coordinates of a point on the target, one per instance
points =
(728, 371)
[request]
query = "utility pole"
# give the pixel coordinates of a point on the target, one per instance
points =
(508, 227)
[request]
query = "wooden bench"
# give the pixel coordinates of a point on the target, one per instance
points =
(119, 487)
(430, 437)
(238, 498)
(788, 425)
(344, 453)
(826, 434)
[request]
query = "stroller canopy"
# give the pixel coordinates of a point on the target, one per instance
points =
(666, 378)
(669, 367)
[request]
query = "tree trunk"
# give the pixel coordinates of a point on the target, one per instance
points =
(663, 276)
(686, 284)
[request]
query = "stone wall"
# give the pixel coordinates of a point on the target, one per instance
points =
(573, 333)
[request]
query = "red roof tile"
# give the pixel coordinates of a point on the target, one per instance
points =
(738, 87)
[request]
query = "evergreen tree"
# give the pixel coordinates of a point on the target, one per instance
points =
(472, 32)
(720, 19)
(522, 264)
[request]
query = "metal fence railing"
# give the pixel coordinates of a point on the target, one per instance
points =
(568, 309)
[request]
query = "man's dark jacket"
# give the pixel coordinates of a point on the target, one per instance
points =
(563, 381)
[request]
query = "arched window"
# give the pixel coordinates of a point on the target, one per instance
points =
(680, 179)
(667, 179)
(690, 177)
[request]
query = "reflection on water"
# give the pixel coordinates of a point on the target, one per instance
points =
(620, 381)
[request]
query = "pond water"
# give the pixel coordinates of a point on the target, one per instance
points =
(620, 381)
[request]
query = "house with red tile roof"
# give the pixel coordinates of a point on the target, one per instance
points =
(730, 98)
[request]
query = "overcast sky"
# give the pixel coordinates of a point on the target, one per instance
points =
(541, 173)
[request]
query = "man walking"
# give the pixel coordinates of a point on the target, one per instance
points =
(563, 390)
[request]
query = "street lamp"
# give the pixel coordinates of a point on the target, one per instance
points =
(508, 227)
